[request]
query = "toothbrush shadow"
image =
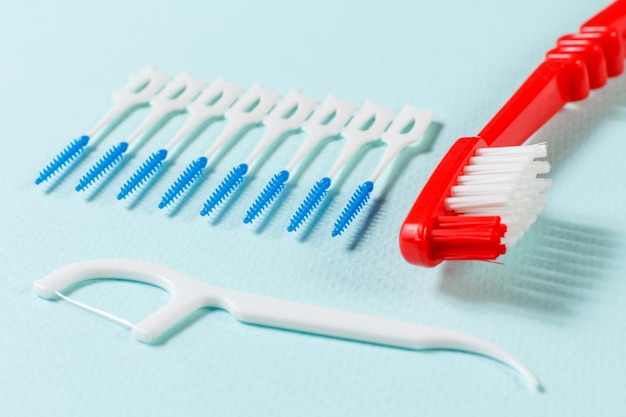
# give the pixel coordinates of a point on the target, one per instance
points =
(310, 226)
(230, 201)
(106, 180)
(273, 209)
(557, 266)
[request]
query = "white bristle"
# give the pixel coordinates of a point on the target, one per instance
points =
(503, 182)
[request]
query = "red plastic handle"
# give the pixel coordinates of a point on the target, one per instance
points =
(580, 62)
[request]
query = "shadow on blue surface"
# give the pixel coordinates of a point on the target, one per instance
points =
(552, 271)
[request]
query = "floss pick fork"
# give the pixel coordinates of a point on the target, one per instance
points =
(137, 92)
(188, 295)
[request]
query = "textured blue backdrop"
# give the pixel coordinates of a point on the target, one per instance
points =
(557, 302)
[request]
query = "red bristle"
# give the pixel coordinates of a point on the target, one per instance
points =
(468, 237)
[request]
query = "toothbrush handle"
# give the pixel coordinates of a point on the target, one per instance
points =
(580, 62)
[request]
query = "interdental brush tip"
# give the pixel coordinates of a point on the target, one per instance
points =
(274, 187)
(359, 198)
(108, 161)
(312, 200)
(226, 187)
(67, 155)
(184, 181)
(148, 169)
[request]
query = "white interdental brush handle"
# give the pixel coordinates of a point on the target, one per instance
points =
(188, 294)
(211, 103)
(138, 90)
(280, 121)
(175, 96)
(397, 140)
(356, 136)
(326, 121)
(240, 116)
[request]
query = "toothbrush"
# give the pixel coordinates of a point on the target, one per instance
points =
(247, 111)
(210, 104)
(137, 92)
(285, 118)
(486, 191)
(407, 128)
(366, 126)
(188, 294)
(326, 121)
(173, 98)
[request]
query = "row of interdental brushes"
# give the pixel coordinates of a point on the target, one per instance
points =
(244, 109)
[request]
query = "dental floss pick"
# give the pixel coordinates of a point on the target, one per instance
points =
(396, 139)
(357, 133)
(174, 97)
(137, 92)
(210, 104)
(189, 294)
(247, 111)
(326, 121)
(285, 118)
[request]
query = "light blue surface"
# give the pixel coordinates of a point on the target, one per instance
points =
(557, 303)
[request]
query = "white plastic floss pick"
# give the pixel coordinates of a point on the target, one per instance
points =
(281, 120)
(355, 134)
(211, 103)
(188, 295)
(397, 139)
(138, 91)
(175, 96)
(248, 110)
(326, 121)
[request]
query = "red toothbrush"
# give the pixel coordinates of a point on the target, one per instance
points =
(472, 207)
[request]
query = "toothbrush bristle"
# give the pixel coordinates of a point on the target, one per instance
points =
(359, 198)
(226, 187)
(190, 175)
(312, 200)
(498, 197)
(274, 187)
(104, 165)
(148, 169)
(67, 155)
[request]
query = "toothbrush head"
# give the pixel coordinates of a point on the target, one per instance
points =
(478, 202)
(226, 187)
(359, 199)
(147, 170)
(273, 188)
(109, 160)
(190, 175)
(311, 201)
(63, 159)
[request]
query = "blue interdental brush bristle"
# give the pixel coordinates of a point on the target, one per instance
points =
(358, 200)
(407, 128)
(147, 170)
(274, 187)
(312, 200)
(190, 175)
(226, 187)
(104, 164)
(67, 155)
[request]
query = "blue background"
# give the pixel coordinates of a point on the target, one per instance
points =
(557, 302)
